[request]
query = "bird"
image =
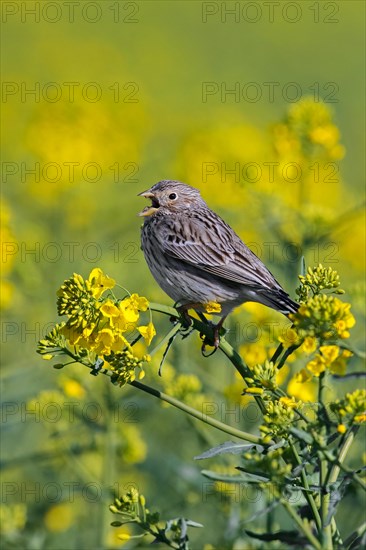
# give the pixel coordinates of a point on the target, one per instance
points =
(197, 258)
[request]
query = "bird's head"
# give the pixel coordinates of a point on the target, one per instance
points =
(170, 196)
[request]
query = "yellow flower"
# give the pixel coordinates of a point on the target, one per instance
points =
(212, 307)
(72, 335)
(120, 342)
(328, 358)
(128, 314)
(120, 323)
(136, 302)
(130, 308)
(73, 388)
(47, 357)
(87, 331)
(329, 353)
(109, 309)
(316, 366)
(302, 376)
(99, 282)
(104, 340)
(290, 338)
(59, 517)
(341, 428)
(148, 332)
(302, 389)
(309, 344)
(360, 418)
(327, 135)
(347, 319)
(289, 402)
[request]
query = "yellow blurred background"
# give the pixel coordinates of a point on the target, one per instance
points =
(261, 106)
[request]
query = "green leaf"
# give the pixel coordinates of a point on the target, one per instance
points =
(228, 447)
(253, 476)
(247, 477)
(191, 523)
(222, 477)
(277, 445)
(335, 498)
(283, 536)
(303, 266)
(302, 435)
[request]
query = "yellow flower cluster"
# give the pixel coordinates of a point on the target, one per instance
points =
(124, 363)
(264, 376)
(96, 323)
(126, 504)
(324, 317)
(278, 416)
(317, 279)
(99, 324)
(131, 506)
(329, 357)
(308, 131)
(351, 409)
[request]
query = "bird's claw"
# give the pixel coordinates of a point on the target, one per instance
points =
(207, 341)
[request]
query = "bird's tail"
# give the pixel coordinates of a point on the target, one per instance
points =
(280, 301)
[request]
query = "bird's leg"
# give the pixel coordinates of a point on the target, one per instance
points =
(183, 312)
(216, 338)
(217, 329)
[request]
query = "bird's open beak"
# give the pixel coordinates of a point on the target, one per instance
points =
(152, 208)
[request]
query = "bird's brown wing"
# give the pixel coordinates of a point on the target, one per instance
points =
(208, 243)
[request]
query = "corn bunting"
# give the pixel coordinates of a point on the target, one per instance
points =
(197, 258)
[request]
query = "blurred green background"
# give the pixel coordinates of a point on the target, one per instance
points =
(126, 94)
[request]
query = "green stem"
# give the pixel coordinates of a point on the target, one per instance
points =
(277, 353)
(108, 467)
(342, 467)
(348, 440)
(235, 359)
(301, 525)
(285, 356)
(196, 414)
(309, 497)
(324, 507)
(166, 339)
(326, 532)
(355, 535)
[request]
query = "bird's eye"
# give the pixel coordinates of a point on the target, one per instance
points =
(173, 196)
